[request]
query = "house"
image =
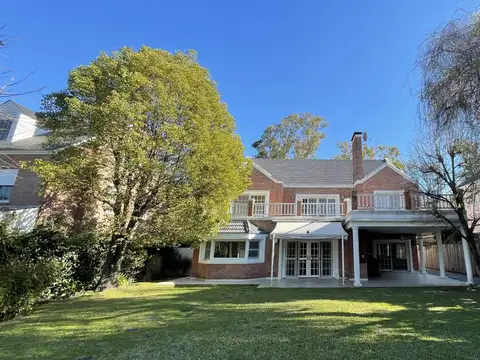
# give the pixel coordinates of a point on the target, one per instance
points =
(353, 219)
(20, 141)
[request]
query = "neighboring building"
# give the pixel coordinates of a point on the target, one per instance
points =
(20, 141)
(324, 219)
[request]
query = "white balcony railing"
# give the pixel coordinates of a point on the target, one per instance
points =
(424, 202)
(239, 208)
(381, 201)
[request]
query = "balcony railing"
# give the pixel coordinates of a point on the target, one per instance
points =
(394, 201)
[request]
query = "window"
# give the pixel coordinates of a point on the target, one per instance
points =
(319, 206)
(230, 249)
(5, 126)
(254, 250)
(241, 250)
(5, 193)
(206, 253)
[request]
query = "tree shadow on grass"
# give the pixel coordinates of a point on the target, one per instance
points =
(244, 322)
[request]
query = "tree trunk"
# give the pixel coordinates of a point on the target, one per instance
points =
(113, 263)
(474, 249)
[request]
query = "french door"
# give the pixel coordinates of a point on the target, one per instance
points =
(392, 256)
(308, 259)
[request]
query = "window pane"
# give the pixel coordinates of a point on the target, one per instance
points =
(253, 251)
(5, 192)
(258, 198)
(5, 126)
(206, 254)
(229, 249)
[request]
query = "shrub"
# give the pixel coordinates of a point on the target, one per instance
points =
(122, 280)
(22, 284)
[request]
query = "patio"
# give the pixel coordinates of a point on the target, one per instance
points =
(387, 280)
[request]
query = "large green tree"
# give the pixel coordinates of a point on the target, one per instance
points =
(297, 136)
(146, 135)
(379, 152)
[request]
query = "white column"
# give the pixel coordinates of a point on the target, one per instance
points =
(343, 260)
(441, 253)
(356, 258)
(410, 254)
(280, 259)
(272, 259)
(422, 254)
(468, 259)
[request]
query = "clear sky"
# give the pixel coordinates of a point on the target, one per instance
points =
(351, 62)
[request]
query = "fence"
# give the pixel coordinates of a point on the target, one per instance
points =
(454, 260)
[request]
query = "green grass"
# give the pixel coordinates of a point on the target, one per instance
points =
(147, 321)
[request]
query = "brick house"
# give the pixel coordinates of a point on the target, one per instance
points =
(352, 219)
(20, 141)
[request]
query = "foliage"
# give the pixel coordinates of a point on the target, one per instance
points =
(441, 163)
(297, 136)
(449, 64)
(122, 280)
(379, 152)
(153, 144)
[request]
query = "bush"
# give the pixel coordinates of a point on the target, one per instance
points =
(22, 284)
(122, 280)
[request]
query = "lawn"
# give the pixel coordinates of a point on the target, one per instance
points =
(147, 321)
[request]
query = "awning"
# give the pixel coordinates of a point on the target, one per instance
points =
(309, 230)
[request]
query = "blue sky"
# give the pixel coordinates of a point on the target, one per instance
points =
(351, 62)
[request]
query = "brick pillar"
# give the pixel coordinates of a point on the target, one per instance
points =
(299, 208)
(250, 207)
(357, 156)
(354, 200)
(408, 200)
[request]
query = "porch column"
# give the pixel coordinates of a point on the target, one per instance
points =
(272, 259)
(468, 259)
(441, 253)
(422, 254)
(410, 254)
(356, 258)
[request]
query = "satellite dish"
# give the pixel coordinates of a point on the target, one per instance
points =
(365, 136)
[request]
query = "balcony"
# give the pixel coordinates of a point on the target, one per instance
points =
(362, 202)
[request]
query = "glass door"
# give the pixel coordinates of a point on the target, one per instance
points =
(291, 259)
(384, 254)
(303, 259)
(314, 259)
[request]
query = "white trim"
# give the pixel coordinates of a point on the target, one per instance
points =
(265, 172)
(25, 152)
(234, 237)
(258, 192)
(316, 186)
(300, 197)
(380, 168)
(335, 262)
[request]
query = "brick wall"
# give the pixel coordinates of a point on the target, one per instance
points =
(236, 271)
(26, 185)
(385, 179)
(260, 181)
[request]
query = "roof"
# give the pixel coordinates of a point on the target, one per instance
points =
(32, 143)
(23, 109)
(313, 172)
(240, 227)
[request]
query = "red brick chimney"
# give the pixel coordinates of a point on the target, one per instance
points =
(357, 156)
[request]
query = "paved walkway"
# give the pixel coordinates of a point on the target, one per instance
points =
(387, 280)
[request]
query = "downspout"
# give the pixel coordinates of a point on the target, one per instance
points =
(343, 261)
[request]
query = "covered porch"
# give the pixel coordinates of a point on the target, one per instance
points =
(382, 249)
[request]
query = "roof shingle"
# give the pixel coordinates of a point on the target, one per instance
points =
(313, 172)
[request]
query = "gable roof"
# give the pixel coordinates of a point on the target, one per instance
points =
(22, 109)
(313, 172)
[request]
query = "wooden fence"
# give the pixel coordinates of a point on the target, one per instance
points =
(454, 261)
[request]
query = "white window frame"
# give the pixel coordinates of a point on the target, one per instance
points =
(266, 193)
(261, 238)
(388, 192)
(300, 197)
(7, 179)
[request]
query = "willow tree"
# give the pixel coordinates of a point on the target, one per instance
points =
(145, 135)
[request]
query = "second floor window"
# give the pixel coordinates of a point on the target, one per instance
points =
(5, 126)
(5, 193)
(319, 206)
